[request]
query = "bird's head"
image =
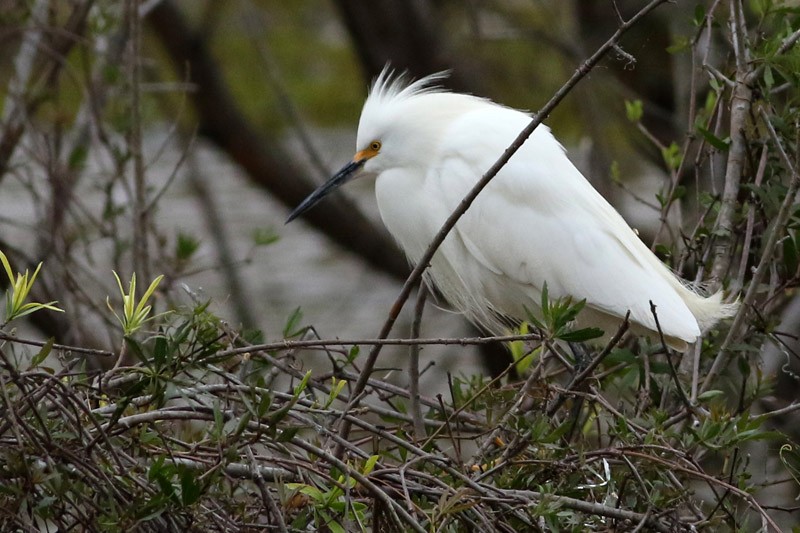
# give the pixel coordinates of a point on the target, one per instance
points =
(398, 128)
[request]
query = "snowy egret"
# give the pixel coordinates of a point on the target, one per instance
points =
(539, 221)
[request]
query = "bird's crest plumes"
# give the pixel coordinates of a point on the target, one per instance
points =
(395, 97)
(392, 85)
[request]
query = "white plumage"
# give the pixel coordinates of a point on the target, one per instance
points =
(539, 221)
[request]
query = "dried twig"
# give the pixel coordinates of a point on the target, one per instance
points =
(778, 230)
(413, 370)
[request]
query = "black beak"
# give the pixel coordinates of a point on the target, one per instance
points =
(340, 178)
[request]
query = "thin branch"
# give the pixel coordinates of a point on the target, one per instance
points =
(586, 372)
(741, 102)
(62, 347)
(141, 256)
(413, 371)
(778, 230)
(322, 343)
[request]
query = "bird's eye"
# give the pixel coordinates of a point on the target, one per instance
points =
(375, 146)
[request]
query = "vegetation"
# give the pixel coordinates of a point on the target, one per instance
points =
(128, 403)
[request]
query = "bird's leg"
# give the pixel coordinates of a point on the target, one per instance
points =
(582, 360)
(581, 354)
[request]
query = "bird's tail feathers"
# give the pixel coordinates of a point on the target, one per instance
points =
(708, 310)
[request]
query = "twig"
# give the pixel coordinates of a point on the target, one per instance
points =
(269, 501)
(321, 343)
(741, 102)
(451, 435)
(396, 511)
(738, 284)
(141, 256)
(586, 372)
(518, 408)
(413, 371)
(595, 509)
(768, 250)
(16, 114)
(671, 366)
(240, 470)
(458, 412)
(62, 347)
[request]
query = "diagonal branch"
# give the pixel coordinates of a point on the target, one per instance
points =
(778, 230)
(741, 103)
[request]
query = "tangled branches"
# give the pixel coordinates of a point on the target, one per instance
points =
(209, 432)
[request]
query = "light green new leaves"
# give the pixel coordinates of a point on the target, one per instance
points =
(134, 315)
(19, 288)
(333, 503)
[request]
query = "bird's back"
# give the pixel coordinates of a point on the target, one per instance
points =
(539, 221)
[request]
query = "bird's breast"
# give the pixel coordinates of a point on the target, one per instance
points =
(410, 215)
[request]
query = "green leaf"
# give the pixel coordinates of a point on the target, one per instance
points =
(699, 15)
(679, 44)
(312, 492)
(264, 404)
(332, 525)
(160, 351)
(545, 303)
(709, 394)
(581, 335)
(20, 287)
(634, 109)
(7, 267)
(567, 312)
(614, 173)
(720, 144)
(672, 155)
(190, 489)
(134, 315)
(370, 464)
(663, 251)
(185, 246)
(265, 236)
(287, 434)
(77, 157)
(298, 390)
(291, 328)
(769, 79)
(336, 527)
(336, 389)
(352, 354)
(43, 353)
(517, 349)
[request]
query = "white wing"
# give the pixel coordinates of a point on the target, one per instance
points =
(540, 221)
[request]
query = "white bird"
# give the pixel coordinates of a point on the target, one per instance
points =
(539, 221)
